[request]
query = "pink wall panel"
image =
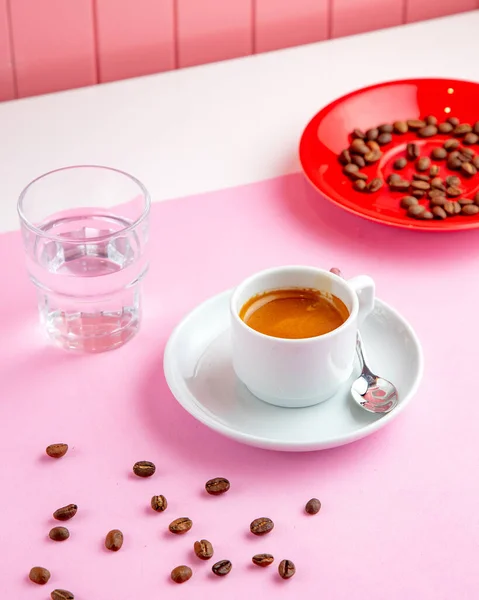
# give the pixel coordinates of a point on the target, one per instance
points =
(283, 23)
(357, 16)
(7, 91)
(135, 37)
(428, 9)
(211, 30)
(53, 44)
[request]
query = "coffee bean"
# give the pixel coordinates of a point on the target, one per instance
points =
(181, 525)
(373, 156)
(438, 184)
(261, 526)
(438, 154)
(476, 199)
(66, 512)
(384, 138)
(454, 163)
(399, 185)
(416, 124)
(416, 211)
(434, 171)
(400, 163)
(372, 134)
(406, 202)
(445, 128)
(59, 534)
(57, 450)
(114, 540)
(439, 213)
(453, 181)
(372, 145)
(39, 575)
(427, 215)
(420, 185)
(452, 208)
(313, 506)
(204, 549)
(393, 177)
(286, 569)
(345, 157)
(468, 169)
(359, 185)
(423, 163)
(159, 503)
(470, 209)
(145, 468)
(217, 486)
(468, 153)
(349, 169)
(358, 147)
(454, 121)
(374, 185)
(431, 120)
(435, 192)
(263, 560)
(453, 191)
(439, 201)
(412, 151)
(358, 175)
(62, 595)
(465, 201)
(358, 160)
(222, 568)
(462, 129)
(450, 145)
(400, 127)
(181, 574)
(420, 177)
(470, 138)
(475, 128)
(418, 194)
(358, 134)
(385, 128)
(427, 131)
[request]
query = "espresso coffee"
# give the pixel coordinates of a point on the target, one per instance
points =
(294, 313)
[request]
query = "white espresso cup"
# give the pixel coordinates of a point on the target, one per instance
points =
(298, 372)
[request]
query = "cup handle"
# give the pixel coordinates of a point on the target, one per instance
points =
(365, 288)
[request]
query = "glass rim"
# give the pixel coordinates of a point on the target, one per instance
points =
(58, 238)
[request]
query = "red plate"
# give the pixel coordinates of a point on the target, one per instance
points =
(328, 133)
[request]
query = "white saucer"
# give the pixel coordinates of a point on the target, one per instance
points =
(200, 375)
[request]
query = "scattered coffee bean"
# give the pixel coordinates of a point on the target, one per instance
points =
(358, 175)
(476, 128)
(435, 192)
(145, 468)
(439, 201)
(350, 169)
(412, 151)
(452, 208)
(454, 163)
(114, 540)
(420, 177)
(39, 575)
(400, 163)
(465, 201)
(384, 138)
(263, 560)
(203, 549)
(57, 450)
(358, 160)
(427, 215)
(286, 569)
(418, 194)
(470, 138)
(416, 124)
(374, 185)
(427, 131)
(372, 134)
(159, 503)
(358, 147)
(385, 128)
(420, 185)
(445, 128)
(423, 163)
(452, 180)
(181, 525)
(470, 209)
(345, 157)
(454, 121)
(439, 213)
(62, 595)
(313, 506)
(416, 211)
(359, 134)
(219, 485)
(222, 568)
(468, 153)
(438, 153)
(468, 169)
(65, 513)
(59, 534)
(453, 191)
(181, 574)
(431, 120)
(462, 129)
(434, 171)
(359, 185)
(450, 145)
(476, 199)
(393, 177)
(400, 127)
(261, 526)
(438, 184)
(399, 185)
(406, 202)
(372, 157)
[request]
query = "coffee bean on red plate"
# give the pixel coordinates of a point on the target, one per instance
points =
(438, 201)
(345, 157)
(470, 209)
(450, 145)
(358, 160)
(313, 506)
(263, 560)
(400, 127)
(438, 184)
(431, 120)
(358, 175)
(393, 177)
(372, 134)
(453, 180)
(453, 191)
(454, 163)
(412, 151)
(468, 169)
(452, 208)
(384, 138)
(358, 147)
(349, 169)
(416, 124)
(372, 145)
(461, 129)
(261, 526)
(438, 153)
(222, 568)
(445, 128)
(203, 549)
(57, 450)
(465, 201)
(475, 128)
(159, 503)
(427, 131)
(468, 153)
(476, 199)
(427, 215)
(420, 185)
(65, 513)
(399, 185)
(420, 177)
(181, 574)
(407, 201)
(439, 213)
(359, 185)
(62, 595)
(423, 163)
(59, 534)
(114, 540)
(286, 569)
(217, 486)
(385, 128)
(434, 170)
(374, 185)
(435, 192)
(39, 575)
(470, 138)
(418, 194)
(181, 525)
(416, 211)
(373, 156)
(145, 468)
(400, 163)
(358, 134)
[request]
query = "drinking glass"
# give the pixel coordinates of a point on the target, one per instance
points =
(85, 232)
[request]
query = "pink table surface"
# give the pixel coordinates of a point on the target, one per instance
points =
(400, 516)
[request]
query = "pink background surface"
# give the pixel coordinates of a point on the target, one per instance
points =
(51, 45)
(399, 517)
